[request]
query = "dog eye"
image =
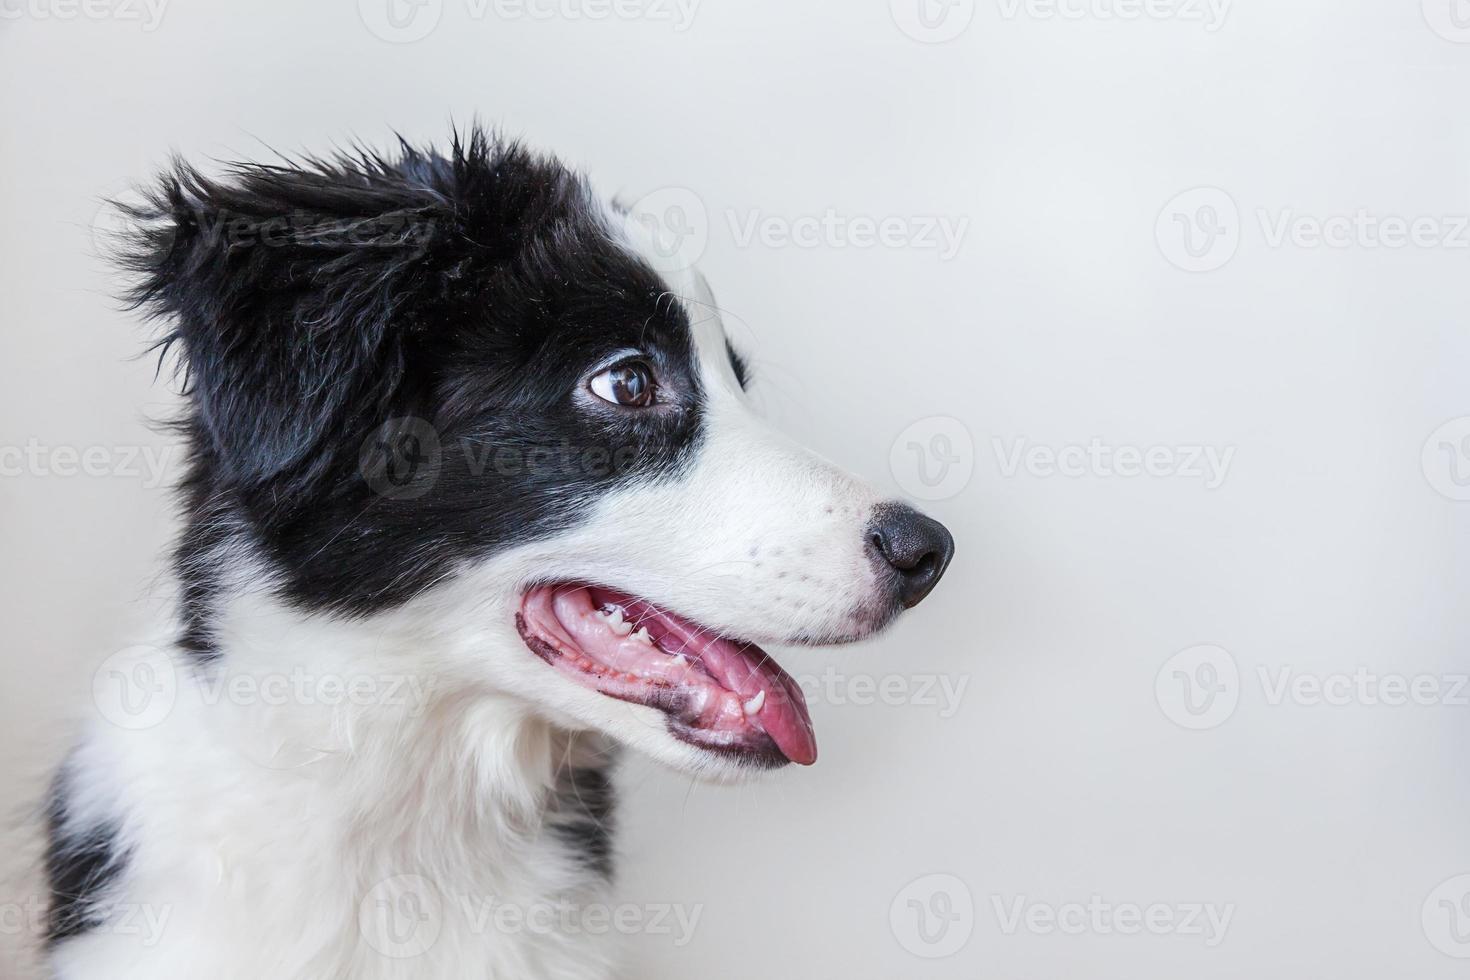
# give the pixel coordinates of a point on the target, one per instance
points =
(629, 384)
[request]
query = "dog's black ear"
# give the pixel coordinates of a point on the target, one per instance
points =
(295, 292)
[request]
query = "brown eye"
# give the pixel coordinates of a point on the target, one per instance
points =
(629, 384)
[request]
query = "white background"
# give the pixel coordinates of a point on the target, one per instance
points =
(1332, 546)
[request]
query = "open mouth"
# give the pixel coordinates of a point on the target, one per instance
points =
(719, 694)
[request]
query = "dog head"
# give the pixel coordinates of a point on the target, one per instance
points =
(460, 390)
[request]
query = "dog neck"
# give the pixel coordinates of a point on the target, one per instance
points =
(367, 715)
(316, 774)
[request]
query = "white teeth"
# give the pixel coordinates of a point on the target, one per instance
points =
(679, 660)
(642, 636)
(618, 624)
(754, 704)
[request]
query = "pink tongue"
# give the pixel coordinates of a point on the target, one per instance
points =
(740, 667)
(748, 672)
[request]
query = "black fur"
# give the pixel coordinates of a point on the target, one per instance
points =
(740, 365)
(80, 864)
(386, 361)
(583, 815)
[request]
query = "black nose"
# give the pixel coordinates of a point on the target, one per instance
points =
(918, 548)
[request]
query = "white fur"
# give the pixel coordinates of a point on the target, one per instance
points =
(266, 837)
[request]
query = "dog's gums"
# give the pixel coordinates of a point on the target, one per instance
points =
(719, 694)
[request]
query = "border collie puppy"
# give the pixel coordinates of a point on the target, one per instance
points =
(474, 498)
